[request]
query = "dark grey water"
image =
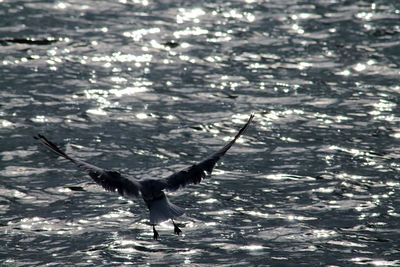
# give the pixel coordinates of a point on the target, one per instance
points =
(148, 87)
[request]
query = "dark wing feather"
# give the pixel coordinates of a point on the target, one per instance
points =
(195, 173)
(109, 180)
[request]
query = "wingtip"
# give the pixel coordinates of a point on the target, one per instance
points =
(38, 137)
(252, 115)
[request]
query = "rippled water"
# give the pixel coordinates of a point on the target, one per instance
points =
(148, 87)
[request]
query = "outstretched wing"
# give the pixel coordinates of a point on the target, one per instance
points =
(195, 173)
(109, 180)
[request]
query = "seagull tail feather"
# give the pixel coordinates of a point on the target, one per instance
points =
(162, 210)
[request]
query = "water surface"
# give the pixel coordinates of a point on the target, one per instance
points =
(149, 87)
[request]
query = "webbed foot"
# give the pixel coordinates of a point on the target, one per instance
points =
(155, 233)
(177, 231)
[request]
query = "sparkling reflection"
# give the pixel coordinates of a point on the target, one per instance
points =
(148, 87)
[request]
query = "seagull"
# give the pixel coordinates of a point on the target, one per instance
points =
(151, 190)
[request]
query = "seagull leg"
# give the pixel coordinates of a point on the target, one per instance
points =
(176, 228)
(156, 235)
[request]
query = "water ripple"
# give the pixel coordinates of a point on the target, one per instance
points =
(149, 87)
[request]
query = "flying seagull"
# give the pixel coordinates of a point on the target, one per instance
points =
(151, 190)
